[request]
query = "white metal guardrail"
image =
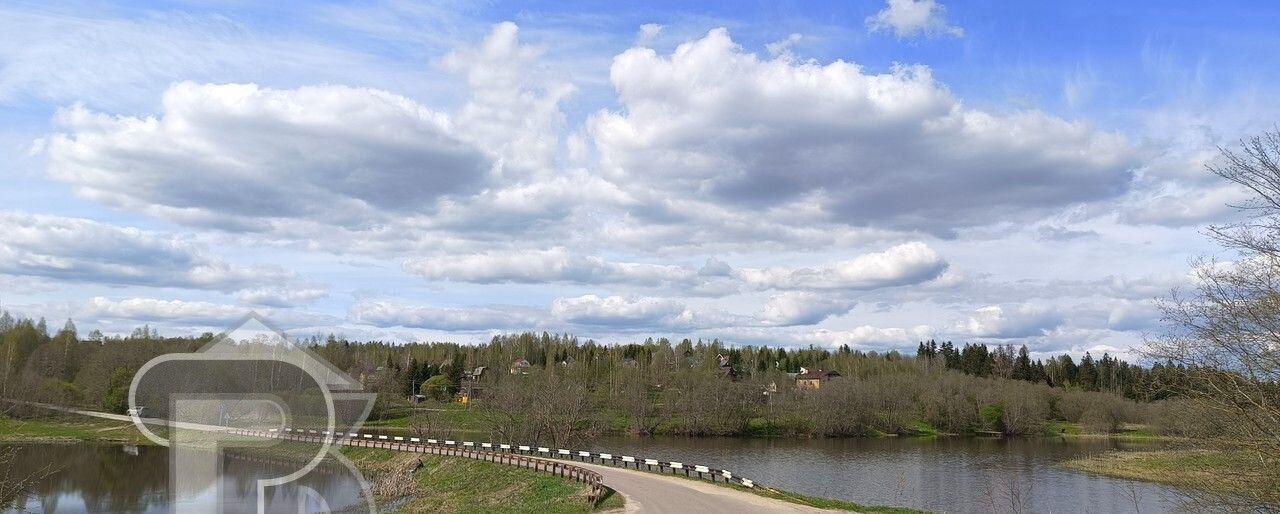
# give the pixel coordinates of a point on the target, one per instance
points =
(570, 471)
(625, 461)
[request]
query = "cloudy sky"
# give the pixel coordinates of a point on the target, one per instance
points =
(868, 174)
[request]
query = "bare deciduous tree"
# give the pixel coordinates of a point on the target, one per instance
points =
(1224, 333)
(544, 407)
(15, 485)
(429, 424)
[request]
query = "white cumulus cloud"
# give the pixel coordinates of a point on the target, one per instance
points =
(387, 314)
(802, 308)
(619, 311)
(909, 18)
(889, 150)
(904, 264)
(1005, 322)
(82, 250)
(240, 155)
(539, 266)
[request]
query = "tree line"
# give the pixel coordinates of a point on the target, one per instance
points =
(1004, 361)
(576, 388)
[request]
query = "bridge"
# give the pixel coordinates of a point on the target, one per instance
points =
(648, 485)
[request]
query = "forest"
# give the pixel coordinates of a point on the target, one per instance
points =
(574, 389)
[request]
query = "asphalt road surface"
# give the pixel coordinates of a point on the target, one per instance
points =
(659, 494)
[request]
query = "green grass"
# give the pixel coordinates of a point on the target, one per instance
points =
(1230, 472)
(68, 429)
(1128, 432)
(1061, 428)
(1140, 433)
(464, 486)
(922, 429)
(454, 417)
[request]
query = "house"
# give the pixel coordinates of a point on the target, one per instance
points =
(520, 367)
(471, 388)
(724, 369)
(813, 379)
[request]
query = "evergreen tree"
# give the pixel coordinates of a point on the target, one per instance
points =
(1087, 375)
(1022, 369)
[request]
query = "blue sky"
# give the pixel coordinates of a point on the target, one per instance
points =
(870, 173)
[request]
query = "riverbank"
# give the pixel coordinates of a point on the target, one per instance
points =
(459, 422)
(437, 485)
(420, 484)
(1126, 432)
(415, 483)
(1234, 473)
(69, 429)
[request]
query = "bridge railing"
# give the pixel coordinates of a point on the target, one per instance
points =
(557, 468)
(542, 452)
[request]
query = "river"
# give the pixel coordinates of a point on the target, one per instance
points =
(946, 475)
(84, 478)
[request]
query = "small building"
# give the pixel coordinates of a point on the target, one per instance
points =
(471, 387)
(724, 369)
(520, 367)
(813, 379)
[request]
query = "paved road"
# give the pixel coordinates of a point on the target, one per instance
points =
(659, 494)
(644, 492)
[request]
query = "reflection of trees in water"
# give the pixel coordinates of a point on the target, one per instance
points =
(243, 469)
(127, 479)
(106, 477)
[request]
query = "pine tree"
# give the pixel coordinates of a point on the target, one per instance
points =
(1087, 376)
(1022, 365)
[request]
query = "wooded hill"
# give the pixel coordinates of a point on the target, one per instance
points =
(657, 386)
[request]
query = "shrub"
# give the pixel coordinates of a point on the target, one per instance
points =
(992, 416)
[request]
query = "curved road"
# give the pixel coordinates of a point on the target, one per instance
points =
(644, 492)
(649, 492)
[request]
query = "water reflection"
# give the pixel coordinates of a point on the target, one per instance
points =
(92, 479)
(948, 475)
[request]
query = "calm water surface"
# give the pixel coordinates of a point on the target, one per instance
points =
(947, 475)
(114, 479)
(950, 475)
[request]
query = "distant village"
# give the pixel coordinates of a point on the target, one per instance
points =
(471, 384)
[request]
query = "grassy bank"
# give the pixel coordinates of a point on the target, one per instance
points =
(68, 429)
(1227, 472)
(1126, 432)
(440, 484)
(420, 484)
(460, 422)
